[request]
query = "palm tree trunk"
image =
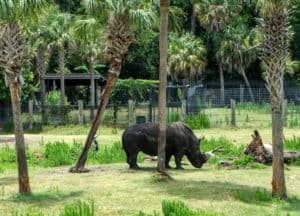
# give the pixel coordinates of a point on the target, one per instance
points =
(61, 53)
(222, 86)
(248, 85)
(24, 185)
(193, 18)
(278, 181)
(41, 70)
(111, 81)
(163, 45)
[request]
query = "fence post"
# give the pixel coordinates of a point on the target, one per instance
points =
(183, 110)
(150, 111)
(242, 89)
(285, 112)
(233, 114)
(130, 112)
(30, 111)
(80, 112)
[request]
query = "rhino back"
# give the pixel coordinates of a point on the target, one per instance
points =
(143, 136)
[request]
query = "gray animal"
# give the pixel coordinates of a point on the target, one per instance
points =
(180, 141)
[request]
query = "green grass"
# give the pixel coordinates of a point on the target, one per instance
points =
(292, 144)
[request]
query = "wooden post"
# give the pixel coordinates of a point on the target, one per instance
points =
(233, 114)
(98, 94)
(92, 97)
(285, 112)
(183, 110)
(242, 90)
(30, 112)
(150, 111)
(80, 112)
(130, 112)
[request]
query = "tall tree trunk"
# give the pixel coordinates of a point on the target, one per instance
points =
(278, 181)
(111, 81)
(275, 44)
(41, 70)
(163, 47)
(92, 87)
(248, 85)
(61, 53)
(222, 86)
(24, 185)
(193, 18)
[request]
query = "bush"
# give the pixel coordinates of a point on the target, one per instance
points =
(57, 154)
(109, 154)
(229, 149)
(56, 114)
(7, 155)
(79, 208)
(292, 144)
(178, 208)
(258, 195)
(8, 126)
(244, 160)
(199, 121)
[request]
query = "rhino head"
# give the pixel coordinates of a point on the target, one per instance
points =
(194, 154)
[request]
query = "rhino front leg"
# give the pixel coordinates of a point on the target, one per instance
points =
(178, 158)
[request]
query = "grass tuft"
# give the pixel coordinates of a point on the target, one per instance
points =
(259, 195)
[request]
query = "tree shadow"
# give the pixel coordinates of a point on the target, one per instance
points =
(46, 198)
(292, 204)
(8, 180)
(218, 191)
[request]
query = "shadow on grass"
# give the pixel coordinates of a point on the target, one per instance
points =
(8, 180)
(216, 190)
(46, 198)
(292, 204)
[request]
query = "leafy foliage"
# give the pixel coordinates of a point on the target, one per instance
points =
(198, 121)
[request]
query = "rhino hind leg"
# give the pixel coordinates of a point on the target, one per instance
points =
(168, 158)
(132, 161)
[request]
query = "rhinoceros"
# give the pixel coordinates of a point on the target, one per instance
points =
(180, 141)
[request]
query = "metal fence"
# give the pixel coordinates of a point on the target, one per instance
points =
(184, 103)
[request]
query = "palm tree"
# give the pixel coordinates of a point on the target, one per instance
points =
(275, 30)
(214, 18)
(60, 36)
(187, 56)
(12, 55)
(122, 17)
(237, 51)
(40, 37)
(88, 36)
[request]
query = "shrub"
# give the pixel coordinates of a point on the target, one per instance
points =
(79, 208)
(292, 144)
(110, 154)
(57, 154)
(229, 149)
(178, 208)
(199, 121)
(259, 195)
(244, 160)
(7, 155)
(56, 113)
(173, 117)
